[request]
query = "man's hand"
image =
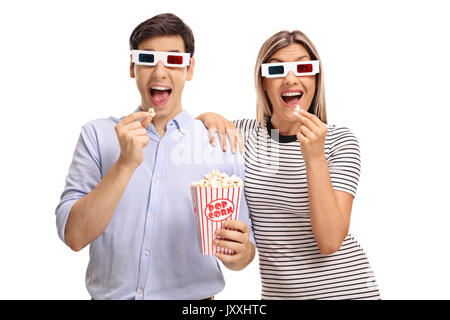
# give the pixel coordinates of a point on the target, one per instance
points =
(237, 238)
(133, 138)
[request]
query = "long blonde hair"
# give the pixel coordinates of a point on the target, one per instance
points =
(273, 44)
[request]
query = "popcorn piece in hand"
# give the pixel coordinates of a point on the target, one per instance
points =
(215, 179)
(152, 112)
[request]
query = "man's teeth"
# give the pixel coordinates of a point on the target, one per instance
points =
(160, 88)
(291, 94)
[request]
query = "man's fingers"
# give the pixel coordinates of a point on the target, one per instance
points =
(235, 246)
(133, 125)
(146, 122)
(135, 116)
(236, 225)
(143, 140)
(231, 235)
(138, 132)
(226, 258)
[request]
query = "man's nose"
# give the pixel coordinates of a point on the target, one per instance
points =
(290, 79)
(160, 69)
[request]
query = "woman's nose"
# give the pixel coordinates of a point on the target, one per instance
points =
(290, 79)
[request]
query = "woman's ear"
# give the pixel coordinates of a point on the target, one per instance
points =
(190, 70)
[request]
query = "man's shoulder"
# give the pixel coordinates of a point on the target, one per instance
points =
(101, 124)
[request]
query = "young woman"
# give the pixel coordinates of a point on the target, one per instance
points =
(301, 178)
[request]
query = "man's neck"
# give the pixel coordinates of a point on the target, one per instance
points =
(160, 124)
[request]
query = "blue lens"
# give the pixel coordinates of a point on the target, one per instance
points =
(276, 70)
(146, 57)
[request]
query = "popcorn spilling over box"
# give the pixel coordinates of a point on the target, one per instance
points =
(216, 198)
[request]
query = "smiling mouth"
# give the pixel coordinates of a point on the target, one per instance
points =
(291, 98)
(160, 95)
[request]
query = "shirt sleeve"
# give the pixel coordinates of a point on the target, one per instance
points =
(244, 213)
(343, 160)
(84, 175)
(245, 126)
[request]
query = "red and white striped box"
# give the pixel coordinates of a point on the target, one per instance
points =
(212, 207)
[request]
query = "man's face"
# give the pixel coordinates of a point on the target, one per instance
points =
(151, 79)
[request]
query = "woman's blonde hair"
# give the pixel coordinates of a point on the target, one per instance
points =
(273, 44)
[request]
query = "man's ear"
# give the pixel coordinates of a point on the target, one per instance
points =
(132, 75)
(190, 70)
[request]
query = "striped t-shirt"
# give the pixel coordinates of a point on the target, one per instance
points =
(276, 190)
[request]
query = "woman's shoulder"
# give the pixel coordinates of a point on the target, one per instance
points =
(336, 133)
(246, 124)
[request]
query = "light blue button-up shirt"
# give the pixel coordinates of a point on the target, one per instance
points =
(150, 248)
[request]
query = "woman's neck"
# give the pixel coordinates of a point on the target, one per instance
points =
(285, 128)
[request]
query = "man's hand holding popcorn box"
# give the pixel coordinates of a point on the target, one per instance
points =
(216, 200)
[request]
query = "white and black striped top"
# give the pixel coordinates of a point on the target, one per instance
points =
(290, 262)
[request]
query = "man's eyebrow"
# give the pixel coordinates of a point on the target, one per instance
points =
(278, 60)
(174, 50)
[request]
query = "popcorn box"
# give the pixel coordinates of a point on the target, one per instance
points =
(212, 207)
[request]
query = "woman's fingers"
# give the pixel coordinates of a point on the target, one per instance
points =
(307, 132)
(223, 138)
(212, 136)
(233, 137)
(307, 122)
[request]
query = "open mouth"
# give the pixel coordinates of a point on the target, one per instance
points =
(160, 95)
(291, 98)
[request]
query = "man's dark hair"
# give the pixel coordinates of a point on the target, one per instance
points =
(165, 24)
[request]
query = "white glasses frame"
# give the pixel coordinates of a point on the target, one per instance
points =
(289, 66)
(160, 56)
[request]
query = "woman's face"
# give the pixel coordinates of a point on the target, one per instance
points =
(286, 93)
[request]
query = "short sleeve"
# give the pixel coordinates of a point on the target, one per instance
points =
(235, 165)
(84, 175)
(343, 160)
(245, 127)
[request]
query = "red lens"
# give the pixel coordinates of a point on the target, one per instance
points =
(304, 68)
(175, 59)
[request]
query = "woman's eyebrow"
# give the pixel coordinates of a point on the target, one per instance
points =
(278, 60)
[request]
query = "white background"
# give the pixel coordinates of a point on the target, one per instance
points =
(386, 67)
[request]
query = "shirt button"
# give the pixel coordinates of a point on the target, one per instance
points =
(150, 215)
(146, 252)
(157, 180)
(139, 291)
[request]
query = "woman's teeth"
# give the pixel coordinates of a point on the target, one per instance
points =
(291, 98)
(291, 94)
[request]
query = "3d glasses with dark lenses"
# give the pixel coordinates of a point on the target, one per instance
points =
(281, 69)
(151, 58)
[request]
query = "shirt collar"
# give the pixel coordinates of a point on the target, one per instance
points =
(183, 121)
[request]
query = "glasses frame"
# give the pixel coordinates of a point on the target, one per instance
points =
(289, 66)
(160, 56)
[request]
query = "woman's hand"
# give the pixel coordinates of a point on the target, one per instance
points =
(311, 134)
(215, 122)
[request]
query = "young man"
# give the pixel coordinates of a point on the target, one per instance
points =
(127, 192)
